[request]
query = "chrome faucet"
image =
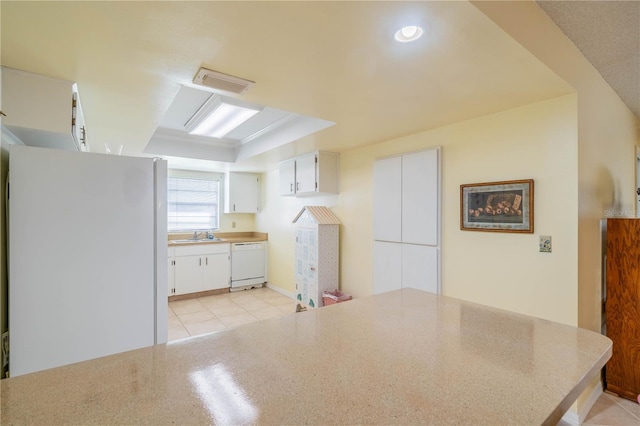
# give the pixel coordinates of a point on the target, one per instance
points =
(195, 235)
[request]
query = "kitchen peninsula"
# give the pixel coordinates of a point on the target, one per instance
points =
(402, 357)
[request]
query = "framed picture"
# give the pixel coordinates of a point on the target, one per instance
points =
(497, 206)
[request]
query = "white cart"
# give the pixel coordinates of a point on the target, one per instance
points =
(317, 254)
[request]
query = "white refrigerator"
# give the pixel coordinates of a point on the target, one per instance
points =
(87, 256)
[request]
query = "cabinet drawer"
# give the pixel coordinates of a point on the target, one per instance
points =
(196, 250)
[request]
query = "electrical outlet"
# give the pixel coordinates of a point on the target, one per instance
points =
(545, 243)
(5, 348)
(233, 224)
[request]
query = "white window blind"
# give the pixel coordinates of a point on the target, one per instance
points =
(192, 204)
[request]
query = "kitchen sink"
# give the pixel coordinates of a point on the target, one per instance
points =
(199, 240)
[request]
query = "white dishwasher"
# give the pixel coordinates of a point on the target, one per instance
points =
(247, 264)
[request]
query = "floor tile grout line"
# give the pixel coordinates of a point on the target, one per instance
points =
(625, 409)
(261, 296)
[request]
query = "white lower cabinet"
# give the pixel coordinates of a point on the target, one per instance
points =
(397, 265)
(171, 275)
(420, 267)
(387, 266)
(217, 271)
(189, 274)
(201, 268)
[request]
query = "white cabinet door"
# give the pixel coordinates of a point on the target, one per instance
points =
(287, 171)
(216, 271)
(387, 266)
(309, 174)
(420, 267)
(306, 173)
(420, 197)
(188, 274)
(171, 281)
(201, 268)
(387, 199)
(243, 193)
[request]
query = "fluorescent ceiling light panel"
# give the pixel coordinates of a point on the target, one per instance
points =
(216, 118)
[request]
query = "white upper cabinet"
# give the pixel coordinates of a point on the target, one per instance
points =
(43, 111)
(420, 197)
(287, 171)
(309, 174)
(306, 181)
(242, 192)
(387, 199)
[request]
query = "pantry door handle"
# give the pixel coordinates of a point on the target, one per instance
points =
(200, 260)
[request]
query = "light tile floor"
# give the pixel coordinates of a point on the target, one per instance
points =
(609, 410)
(214, 313)
(209, 314)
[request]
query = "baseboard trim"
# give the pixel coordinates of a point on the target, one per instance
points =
(281, 291)
(578, 418)
(205, 293)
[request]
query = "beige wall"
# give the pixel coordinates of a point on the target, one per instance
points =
(607, 135)
(276, 218)
(537, 141)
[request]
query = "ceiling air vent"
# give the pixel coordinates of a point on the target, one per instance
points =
(220, 81)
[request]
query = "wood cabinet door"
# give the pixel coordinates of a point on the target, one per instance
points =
(622, 307)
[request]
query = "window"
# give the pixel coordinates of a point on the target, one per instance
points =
(192, 204)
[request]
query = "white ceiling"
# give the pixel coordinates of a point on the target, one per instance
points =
(268, 129)
(336, 61)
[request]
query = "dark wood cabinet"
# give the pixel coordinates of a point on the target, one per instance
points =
(622, 307)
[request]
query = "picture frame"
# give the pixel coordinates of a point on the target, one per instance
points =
(505, 206)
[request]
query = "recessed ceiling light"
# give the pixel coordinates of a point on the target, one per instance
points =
(408, 33)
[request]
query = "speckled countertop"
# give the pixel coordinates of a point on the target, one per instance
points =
(404, 357)
(221, 238)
